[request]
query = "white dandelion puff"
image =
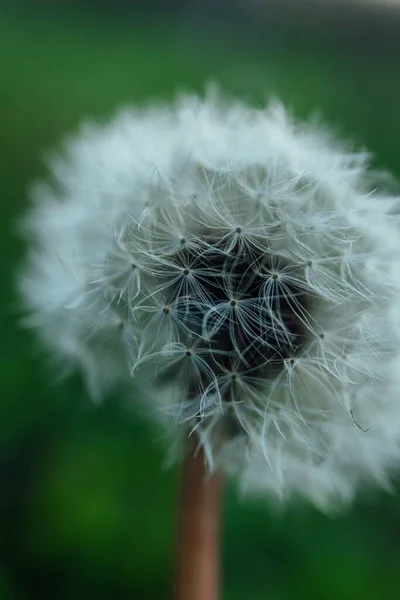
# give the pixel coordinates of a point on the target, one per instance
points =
(244, 269)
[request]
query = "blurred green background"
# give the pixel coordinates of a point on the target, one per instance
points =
(86, 507)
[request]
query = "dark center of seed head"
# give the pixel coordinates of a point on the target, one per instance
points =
(258, 338)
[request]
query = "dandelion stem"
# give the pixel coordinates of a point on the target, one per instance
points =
(197, 560)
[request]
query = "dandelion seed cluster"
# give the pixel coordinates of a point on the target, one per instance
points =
(245, 270)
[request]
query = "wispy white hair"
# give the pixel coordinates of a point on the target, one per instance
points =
(245, 269)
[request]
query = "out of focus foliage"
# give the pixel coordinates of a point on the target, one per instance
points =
(86, 507)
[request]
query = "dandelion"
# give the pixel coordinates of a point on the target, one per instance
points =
(241, 267)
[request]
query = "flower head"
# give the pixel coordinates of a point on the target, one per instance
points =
(245, 271)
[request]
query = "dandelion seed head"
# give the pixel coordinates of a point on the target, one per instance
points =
(243, 269)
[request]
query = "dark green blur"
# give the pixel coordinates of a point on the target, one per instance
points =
(86, 503)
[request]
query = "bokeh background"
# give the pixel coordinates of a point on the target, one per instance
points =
(86, 505)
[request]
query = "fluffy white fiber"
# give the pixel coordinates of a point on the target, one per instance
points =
(245, 269)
